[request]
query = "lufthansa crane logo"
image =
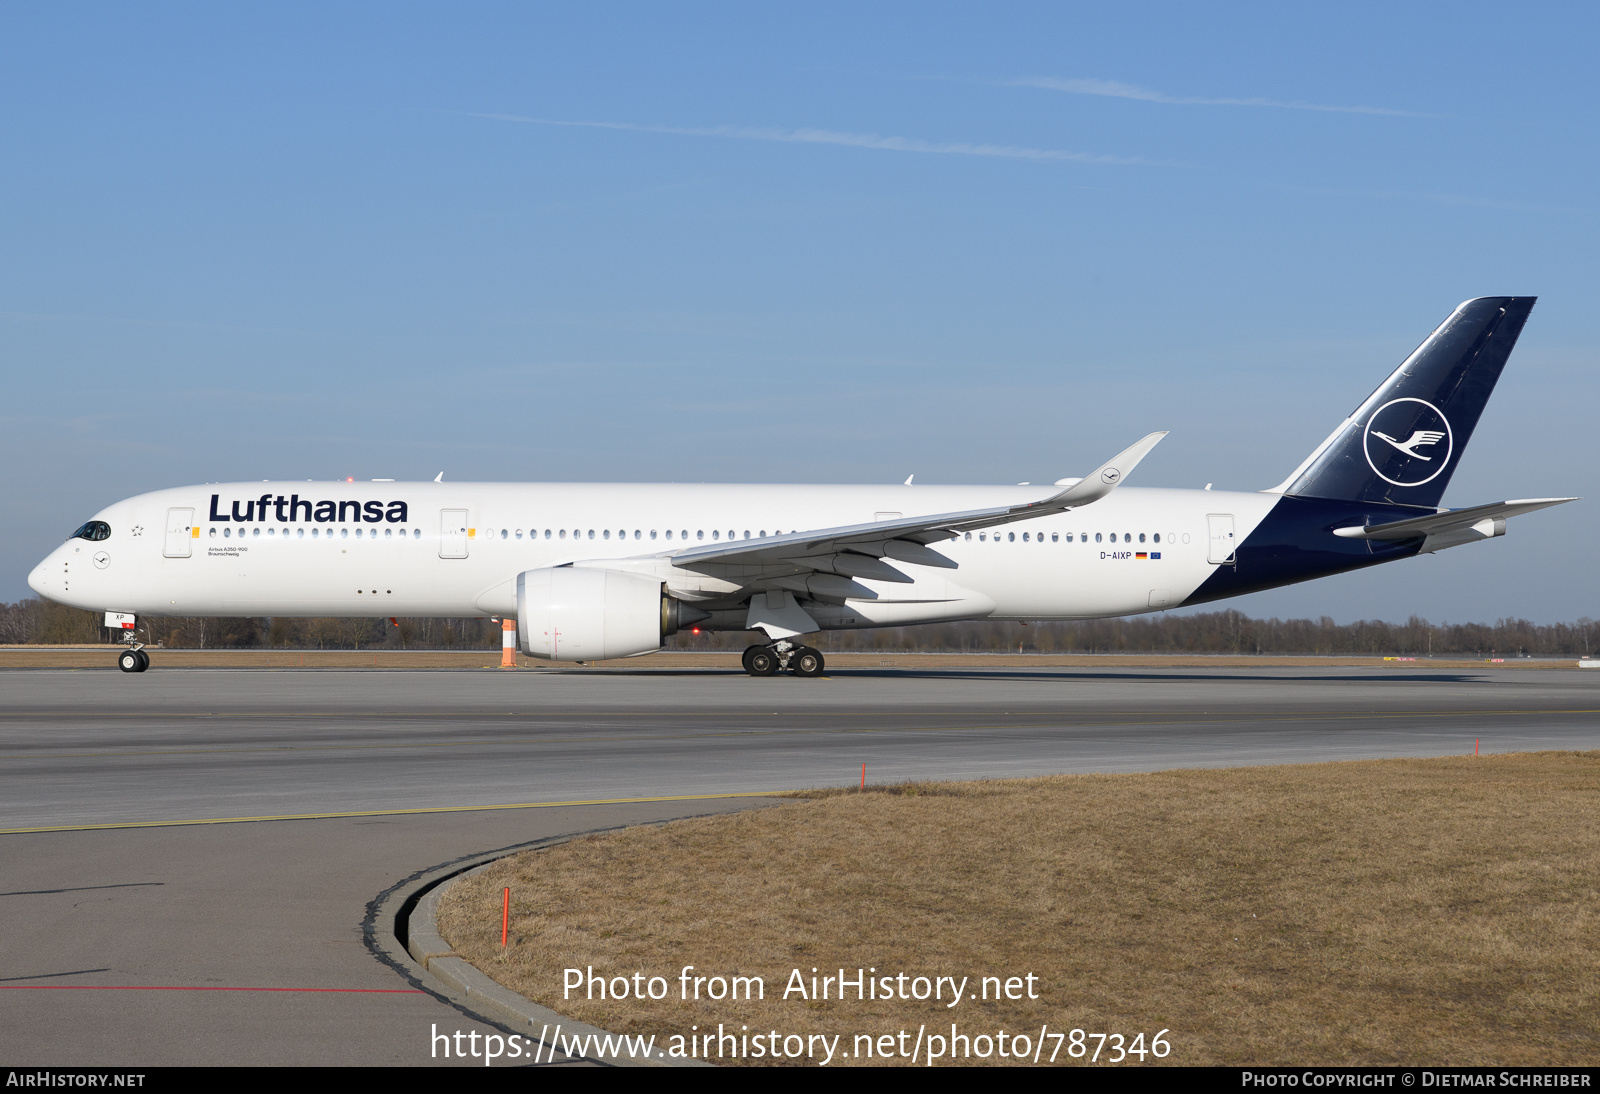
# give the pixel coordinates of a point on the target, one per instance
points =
(1408, 442)
(1110, 476)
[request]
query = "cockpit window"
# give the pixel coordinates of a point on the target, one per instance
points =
(95, 530)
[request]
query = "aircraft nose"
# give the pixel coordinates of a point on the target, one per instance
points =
(38, 581)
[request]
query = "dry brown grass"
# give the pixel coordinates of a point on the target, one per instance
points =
(1398, 911)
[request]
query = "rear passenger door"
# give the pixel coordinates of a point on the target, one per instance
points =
(1219, 528)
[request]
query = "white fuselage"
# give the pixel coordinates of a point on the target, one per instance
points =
(455, 549)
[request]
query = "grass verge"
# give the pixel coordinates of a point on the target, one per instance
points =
(1400, 911)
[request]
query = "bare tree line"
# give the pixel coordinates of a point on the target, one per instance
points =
(44, 622)
(1235, 633)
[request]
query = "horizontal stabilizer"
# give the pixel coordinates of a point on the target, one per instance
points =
(1435, 523)
(1453, 527)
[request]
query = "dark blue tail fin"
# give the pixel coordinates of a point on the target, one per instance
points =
(1402, 445)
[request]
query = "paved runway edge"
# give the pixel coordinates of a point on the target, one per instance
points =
(401, 930)
(385, 812)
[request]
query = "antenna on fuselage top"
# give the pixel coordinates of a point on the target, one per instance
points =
(439, 477)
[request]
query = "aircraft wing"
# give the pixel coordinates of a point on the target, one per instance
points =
(858, 550)
(1451, 520)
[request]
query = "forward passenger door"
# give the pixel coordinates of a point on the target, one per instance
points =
(180, 533)
(452, 533)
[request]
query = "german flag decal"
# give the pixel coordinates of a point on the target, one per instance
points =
(1141, 554)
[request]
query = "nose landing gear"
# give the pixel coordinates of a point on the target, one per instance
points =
(783, 655)
(133, 658)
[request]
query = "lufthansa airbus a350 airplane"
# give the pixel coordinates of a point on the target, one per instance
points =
(593, 571)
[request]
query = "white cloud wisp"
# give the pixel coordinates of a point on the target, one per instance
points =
(851, 140)
(1114, 89)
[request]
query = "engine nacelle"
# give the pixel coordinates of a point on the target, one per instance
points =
(573, 613)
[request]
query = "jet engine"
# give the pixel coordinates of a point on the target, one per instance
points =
(573, 613)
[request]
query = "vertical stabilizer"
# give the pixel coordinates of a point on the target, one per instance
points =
(1402, 444)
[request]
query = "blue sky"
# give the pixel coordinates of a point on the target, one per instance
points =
(753, 243)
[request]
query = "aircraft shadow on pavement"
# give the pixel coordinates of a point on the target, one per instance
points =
(895, 673)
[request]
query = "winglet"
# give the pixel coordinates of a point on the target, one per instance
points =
(1105, 478)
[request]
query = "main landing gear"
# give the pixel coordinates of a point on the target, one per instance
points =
(782, 655)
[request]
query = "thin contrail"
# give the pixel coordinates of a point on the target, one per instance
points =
(829, 136)
(1116, 90)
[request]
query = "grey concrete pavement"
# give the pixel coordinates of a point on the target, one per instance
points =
(236, 944)
(79, 748)
(105, 932)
